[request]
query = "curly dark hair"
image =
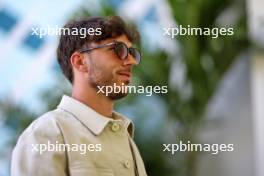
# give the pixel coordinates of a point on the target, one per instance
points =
(111, 27)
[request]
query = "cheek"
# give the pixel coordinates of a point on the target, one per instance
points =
(108, 69)
(102, 72)
(104, 66)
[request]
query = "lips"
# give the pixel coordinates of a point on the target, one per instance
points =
(128, 74)
(124, 74)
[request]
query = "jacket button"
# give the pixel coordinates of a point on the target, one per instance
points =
(127, 164)
(115, 127)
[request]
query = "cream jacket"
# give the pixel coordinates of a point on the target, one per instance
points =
(75, 140)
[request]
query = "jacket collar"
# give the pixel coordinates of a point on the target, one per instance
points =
(90, 118)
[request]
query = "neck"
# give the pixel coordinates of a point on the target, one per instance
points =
(98, 102)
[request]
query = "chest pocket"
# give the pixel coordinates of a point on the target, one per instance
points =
(90, 171)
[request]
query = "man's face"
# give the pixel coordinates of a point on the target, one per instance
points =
(105, 68)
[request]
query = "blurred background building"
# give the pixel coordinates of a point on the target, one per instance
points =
(236, 112)
(216, 86)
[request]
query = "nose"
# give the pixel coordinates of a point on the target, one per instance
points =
(130, 60)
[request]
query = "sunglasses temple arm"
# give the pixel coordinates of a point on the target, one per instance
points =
(89, 49)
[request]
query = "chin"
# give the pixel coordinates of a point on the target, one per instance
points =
(117, 96)
(126, 82)
(121, 83)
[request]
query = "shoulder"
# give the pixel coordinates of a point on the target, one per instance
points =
(33, 148)
(45, 126)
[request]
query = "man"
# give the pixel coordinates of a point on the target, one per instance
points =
(84, 136)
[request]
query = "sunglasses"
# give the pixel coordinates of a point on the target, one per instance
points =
(121, 50)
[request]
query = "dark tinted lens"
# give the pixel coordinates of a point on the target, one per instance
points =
(121, 50)
(136, 54)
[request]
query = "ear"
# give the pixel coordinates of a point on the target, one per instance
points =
(78, 62)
